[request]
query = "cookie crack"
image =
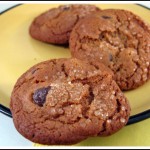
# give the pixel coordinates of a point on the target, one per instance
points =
(57, 16)
(65, 32)
(22, 83)
(117, 111)
(90, 98)
(64, 70)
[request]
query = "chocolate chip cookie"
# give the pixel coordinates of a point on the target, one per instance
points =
(54, 26)
(120, 40)
(65, 101)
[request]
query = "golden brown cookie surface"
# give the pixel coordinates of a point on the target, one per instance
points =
(65, 101)
(55, 25)
(120, 40)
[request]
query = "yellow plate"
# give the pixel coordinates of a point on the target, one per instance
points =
(19, 51)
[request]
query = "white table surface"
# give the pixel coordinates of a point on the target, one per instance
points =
(9, 136)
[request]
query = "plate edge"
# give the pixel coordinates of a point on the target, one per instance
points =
(4, 11)
(132, 120)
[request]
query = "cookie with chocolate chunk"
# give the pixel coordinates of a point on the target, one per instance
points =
(65, 101)
(54, 26)
(120, 40)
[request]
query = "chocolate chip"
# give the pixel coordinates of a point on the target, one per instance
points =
(110, 57)
(106, 17)
(66, 7)
(39, 95)
(101, 36)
